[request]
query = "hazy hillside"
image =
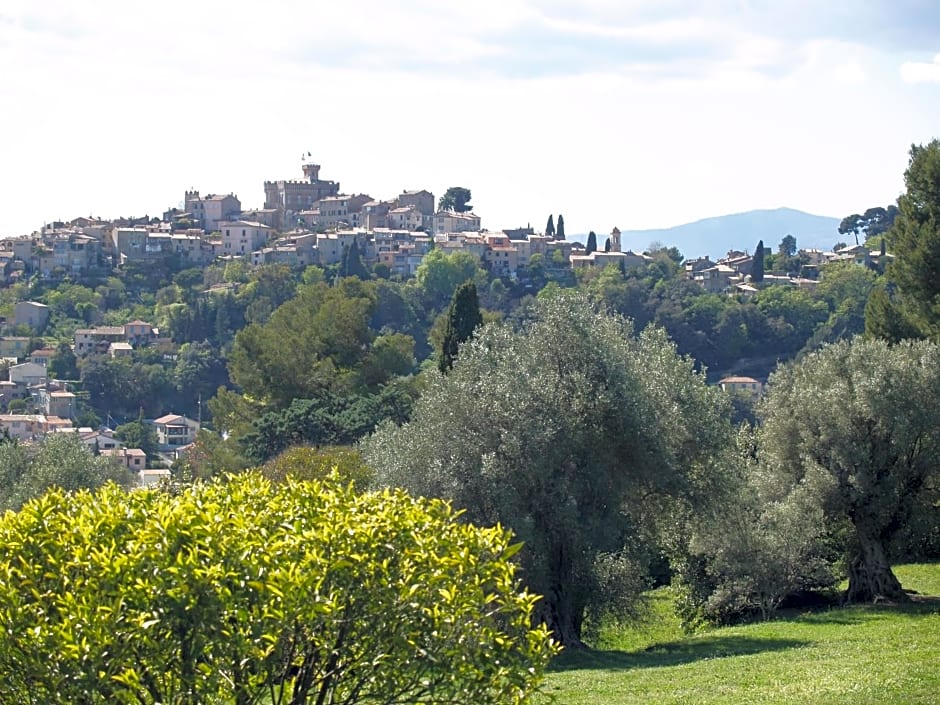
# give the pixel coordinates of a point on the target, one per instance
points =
(740, 231)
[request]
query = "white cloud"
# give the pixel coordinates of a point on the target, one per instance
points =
(921, 72)
(849, 73)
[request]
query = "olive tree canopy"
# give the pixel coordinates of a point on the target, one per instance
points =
(861, 420)
(571, 431)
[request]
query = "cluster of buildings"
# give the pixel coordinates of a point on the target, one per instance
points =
(54, 409)
(303, 222)
(45, 405)
(733, 273)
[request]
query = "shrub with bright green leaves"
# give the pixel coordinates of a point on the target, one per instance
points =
(245, 591)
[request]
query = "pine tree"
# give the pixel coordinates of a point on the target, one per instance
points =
(560, 232)
(591, 243)
(463, 317)
(757, 268)
(550, 227)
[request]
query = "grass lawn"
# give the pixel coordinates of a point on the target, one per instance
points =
(856, 655)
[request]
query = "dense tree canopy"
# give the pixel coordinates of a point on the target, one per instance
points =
(316, 341)
(440, 273)
(916, 245)
(874, 222)
(138, 434)
(64, 364)
(762, 539)
(566, 430)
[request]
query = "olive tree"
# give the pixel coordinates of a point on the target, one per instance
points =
(58, 460)
(248, 592)
(571, 431)
(860, 421)
(762, 539)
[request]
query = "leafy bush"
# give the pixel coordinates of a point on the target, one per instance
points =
(246, 591)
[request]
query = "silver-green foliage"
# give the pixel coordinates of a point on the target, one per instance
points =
(58, 460)
(860, 422)
(247, 592)
(571, 431)
(764, 538)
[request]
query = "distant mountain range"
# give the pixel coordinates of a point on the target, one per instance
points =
(741, 231)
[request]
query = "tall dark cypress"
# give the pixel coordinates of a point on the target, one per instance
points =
(550, 227)
(560, 232)
(591, 245)
(757, 268)
(463, 317)
(352, 263)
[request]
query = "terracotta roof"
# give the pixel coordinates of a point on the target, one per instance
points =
(169, 418)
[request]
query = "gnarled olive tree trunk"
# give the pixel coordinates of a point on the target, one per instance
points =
(870, 576)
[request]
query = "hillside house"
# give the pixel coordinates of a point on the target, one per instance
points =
(14, 346)
(27, 374)
(448, 222)
(134, 459)
(210, 211)
(175, 431)
(57, 403)
(32, 314)
(422, 201)
(97, 340)
(31, 427)
(339, 210)
(241, 237)
(745, 385)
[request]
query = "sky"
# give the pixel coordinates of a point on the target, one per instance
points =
(611, 112)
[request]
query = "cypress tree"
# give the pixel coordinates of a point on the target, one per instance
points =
(352, 262)
(463, 317)
(607, 245)
(591, 243)
(757, 268)
(560, 232)
(550, 227)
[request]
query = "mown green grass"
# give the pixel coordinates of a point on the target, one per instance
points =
(858, 655)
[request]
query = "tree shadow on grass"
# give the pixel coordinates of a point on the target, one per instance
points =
(673, 653)
(919, 605)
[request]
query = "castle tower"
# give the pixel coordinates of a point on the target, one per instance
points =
(312, 172)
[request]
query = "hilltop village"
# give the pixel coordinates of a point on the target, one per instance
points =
(309, 222)
(192, 278)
